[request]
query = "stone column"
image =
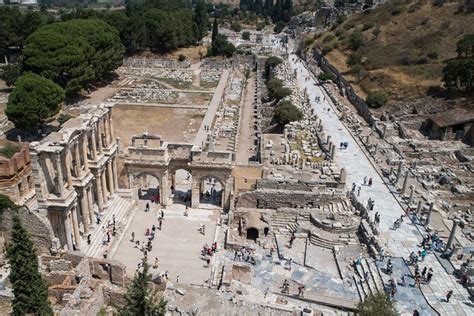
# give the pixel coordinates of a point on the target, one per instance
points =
(165, 189)
(75, 226)
(104, 186)
(376, 149)
(86, 219)
(99, 137)
(111, 129)
(111, 176)
(94, 144)
(343, 175)
(78, 160)
(328, 139)
(399, 171)
(405, 182)
(429, 214)
(84, 145)
(98, 188)
(59, 175)
(114, 171)
(195, 192)
(452, 234)
(68, 169)
(418, 208)
(68, 230)
(106, 132)
(90, 204)
(410, 199)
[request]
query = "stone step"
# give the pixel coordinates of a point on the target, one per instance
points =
(359, 288)
(376, 275)
(119, 207)
(369, 280)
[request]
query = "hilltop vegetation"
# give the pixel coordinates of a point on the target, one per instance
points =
(400, 47)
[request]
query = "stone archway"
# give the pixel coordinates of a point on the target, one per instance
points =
(211, 191)
(181, 183)
(147, 186)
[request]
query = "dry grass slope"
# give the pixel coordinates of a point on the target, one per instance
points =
(405, 45)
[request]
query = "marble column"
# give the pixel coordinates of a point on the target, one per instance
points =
(68, 230)
(86, 219)
(110, 176)
(114, 171)
(418, 208)
(430, 210)
(410, 199)
(106, 132)
(59, 174)
(104, 186)
(452, 234)
(91, 205)
(94, 145)
(68, 162)
(405, 182)
(75, 226)
(78, 160)
(98, 188)
(399, 171)
(99, 137)
(111, 129)
(84, 145)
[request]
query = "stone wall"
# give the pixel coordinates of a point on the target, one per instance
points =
(15, 175)
(274, 199)
(294, 185)
(40, 233)
(344, 87)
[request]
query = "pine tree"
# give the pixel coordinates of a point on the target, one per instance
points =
(200, 18)
(29, 288)
(140, 298)
(215, 30)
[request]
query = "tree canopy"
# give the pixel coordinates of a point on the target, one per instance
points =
(376, 99)
(141, 300)
(459, 72)
(29, 288)
(377, 304)
(286, 112)
(74, 53)
(34, 100)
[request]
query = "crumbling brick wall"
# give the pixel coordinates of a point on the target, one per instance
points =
(40, 233)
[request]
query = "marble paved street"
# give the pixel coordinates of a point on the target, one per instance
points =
(178, 245)
(399, 243)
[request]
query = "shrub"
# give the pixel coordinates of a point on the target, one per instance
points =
(349, 25)
(376, 31)
(246, 35)
(181, 57)
(235, 26)
(324, 76)
(376, 99)
(396, 11)
(438, 3)
(432, 54)
(328, 38)
(326, 49)
(63, 118)
(279, 27)
(354, 59)
(270, 64)
(308, 41)
(339, 32)
(367, 26)
(260, 26)
(356, 40)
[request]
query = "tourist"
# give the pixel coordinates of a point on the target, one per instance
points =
(423, 254)
(353, 187)
(153, 228)
(301, 290)
(416, 313)
(89, 239)
(133, 237)
(370, 182)
(448, 295)
(382, 254)
(236, 253)
(417, 280)
(403, 279)
(389, 268)
(167, 275)
(97, 218)
(292, 238)
(147, 232)
(429, 275)
(108, 237)
(105, 254)
(177, 278)
(423, 272)
(113, 219)
(147, 207)
(365, 180)
(162, 215)
(160, 222)
(155, 265)
(358, 190)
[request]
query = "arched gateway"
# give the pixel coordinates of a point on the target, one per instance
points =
(179, 171)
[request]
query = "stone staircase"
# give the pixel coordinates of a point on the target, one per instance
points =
(370, 285)
(343, 239)
(285, 223)
(123, 210)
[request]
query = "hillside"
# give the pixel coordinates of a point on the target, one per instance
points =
(399, 47)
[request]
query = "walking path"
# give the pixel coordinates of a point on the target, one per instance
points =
(201, 136)
(400, 242)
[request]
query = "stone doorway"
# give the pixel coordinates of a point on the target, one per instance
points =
(252, 234)
(211, 191)
(181, 187)
(148, 187)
